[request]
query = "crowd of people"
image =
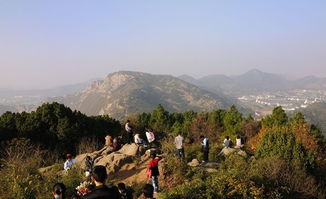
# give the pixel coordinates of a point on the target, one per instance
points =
(98, 174)
(101, 191)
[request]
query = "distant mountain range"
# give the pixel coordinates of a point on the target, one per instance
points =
(123, 93)
(254, 81)
(57, 91)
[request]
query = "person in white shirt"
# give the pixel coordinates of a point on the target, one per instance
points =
(150, 137)
(138, 140)
(238, 142)
(179, 141)
(69, 162)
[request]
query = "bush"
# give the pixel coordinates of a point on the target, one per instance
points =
(73, 178)
(193, 152)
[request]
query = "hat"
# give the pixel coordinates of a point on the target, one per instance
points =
(68, 155)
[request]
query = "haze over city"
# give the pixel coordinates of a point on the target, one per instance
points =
(50, 43)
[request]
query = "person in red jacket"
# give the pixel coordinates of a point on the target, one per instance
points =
(153, 171)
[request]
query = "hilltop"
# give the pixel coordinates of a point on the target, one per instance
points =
(125, 92)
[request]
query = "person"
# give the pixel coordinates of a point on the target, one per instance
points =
(150, 137)
(129, 132)
(108, 140)
(69, 162)
(179, 141)
(153, 171)
(101, 191)
(89, 163)
(238, 142)
(116, 144)
(124, 193)
(138, 140)
(227, 142)
(147, 192)
(59, 191)
(205, 147)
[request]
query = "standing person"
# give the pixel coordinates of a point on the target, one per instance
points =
(69, 162)
(148, 192)
(153, 171)
(205, 147)
(129, 132)
(179, 141)
(124, 193)
(150, 137)
(59, 191)
(101, 191)
(89, 163)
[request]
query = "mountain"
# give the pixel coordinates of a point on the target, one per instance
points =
(316, 114)
(310, 82)
(125, 92)
(255, 82)
(56, 91)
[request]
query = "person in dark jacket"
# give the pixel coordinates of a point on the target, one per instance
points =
(101, 191)
(124, 192)
(59, 191)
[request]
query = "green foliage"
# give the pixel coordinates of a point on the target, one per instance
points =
(278, 142)
(195, 189)
(72, 179)
(159, 120)
(19, 176)
(193, 152)
(56, 126)
(232, 121)
(278, 118)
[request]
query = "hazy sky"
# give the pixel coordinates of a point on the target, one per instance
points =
(48, 43)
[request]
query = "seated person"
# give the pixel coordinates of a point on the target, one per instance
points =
(238, 142)
(59, 190)
(227, 142)
(148, 192)
(69, 162)
(138, 140)
(124, 192)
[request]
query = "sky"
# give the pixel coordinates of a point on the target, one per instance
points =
(48, 43)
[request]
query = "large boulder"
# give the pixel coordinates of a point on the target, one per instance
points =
(228, 151)
(194, 163)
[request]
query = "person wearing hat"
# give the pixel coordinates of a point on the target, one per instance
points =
(69, 162)
(59, 191)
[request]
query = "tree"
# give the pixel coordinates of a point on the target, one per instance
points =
(278, 118)
(159, 120)
(232, 121)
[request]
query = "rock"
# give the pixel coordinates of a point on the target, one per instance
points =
(194, 163)
(242, 153)
(228, 151)
(47, 169)
(130, 149)
(212, 165)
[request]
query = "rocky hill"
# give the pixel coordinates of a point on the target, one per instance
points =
(123, 93)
